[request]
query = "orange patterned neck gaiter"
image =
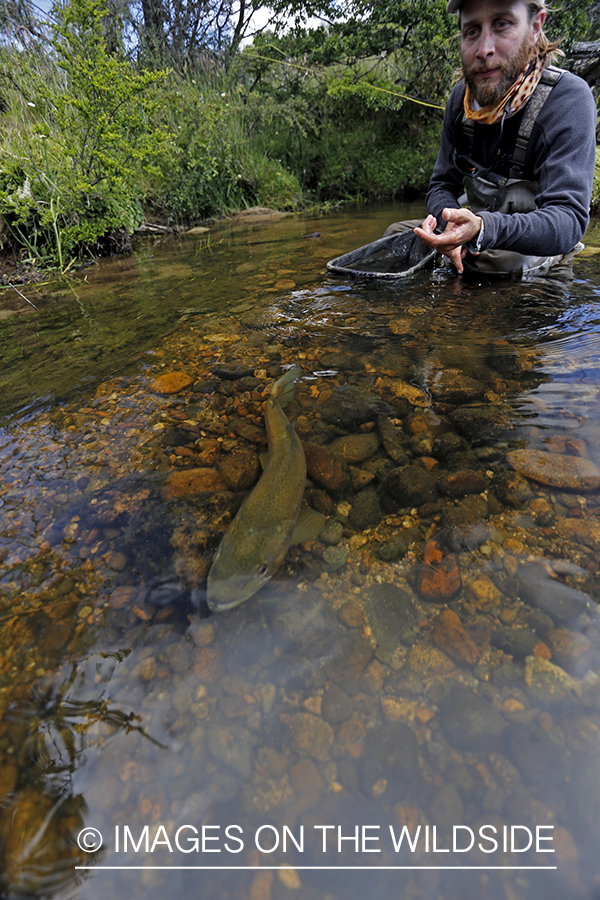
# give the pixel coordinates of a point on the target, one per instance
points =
(516, 96)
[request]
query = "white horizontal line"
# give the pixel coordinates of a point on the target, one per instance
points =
(312, 868)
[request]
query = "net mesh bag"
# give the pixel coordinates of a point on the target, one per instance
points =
(393, 256)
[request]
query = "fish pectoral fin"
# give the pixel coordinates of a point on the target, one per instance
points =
(263, 457)
(308, 525)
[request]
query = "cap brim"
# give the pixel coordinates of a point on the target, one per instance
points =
(453, 6)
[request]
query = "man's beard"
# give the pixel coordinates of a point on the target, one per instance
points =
(489, 94)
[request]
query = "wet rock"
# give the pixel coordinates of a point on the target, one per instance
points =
(338, 360)
(231, 370)
(537, 754)
(351, 736)
(350, 660)
(559, 600)
(408, 486)
(366, 510)
(337, 705)
(518, 642)
(549, 683)
(582, 733)
(170, 383)
(483, 423)
(239, 469)
(389, 611)
(446, 445)
(393, 440)
(453, 386)
(182, 482)
(556, 469)
(250, 432)
(208, 452)
(427, 664)
(310, 628)
(465, 481)
(231, 745)
(311, 736)
(306, 778)
(391, 754)
(331, 533)
(446, 807)
(585, 531)
(402, 390)
(335, 558)
(323, 467)
(483, 593)
(178, 657)
(204, 386)
(512, 489)
(465, 524)
(349, 405)
(450, 637)
(391, 550)
(469, 721)
(571, 650)
(355, 448)
(439, 577)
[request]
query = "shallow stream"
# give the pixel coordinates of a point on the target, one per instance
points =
(411, 707)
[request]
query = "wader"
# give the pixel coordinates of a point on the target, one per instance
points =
(512, 194)
(508, 194)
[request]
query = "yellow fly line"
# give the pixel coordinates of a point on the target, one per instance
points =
(373, 87)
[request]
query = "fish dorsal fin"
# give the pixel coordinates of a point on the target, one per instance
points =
(308, 525)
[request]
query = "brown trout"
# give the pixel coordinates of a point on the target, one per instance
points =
(269, 520)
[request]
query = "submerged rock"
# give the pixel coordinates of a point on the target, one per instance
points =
(439, 576)
(349, 405)
(311, 736)
(409, 486)
(561, 601)
(393, 440)
(450, 637)
(469, 721)
(366, 510)
(355, 448)
(482, 423)
(323, 467)
(453, 386)
(389, 611)
(556, 469)
(171, 382)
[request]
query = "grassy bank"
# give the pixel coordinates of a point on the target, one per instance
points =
(95, 143)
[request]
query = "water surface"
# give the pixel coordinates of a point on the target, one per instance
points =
(431, 663)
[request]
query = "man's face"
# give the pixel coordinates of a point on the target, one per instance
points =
(496, 40)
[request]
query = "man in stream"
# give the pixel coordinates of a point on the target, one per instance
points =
(519, 137)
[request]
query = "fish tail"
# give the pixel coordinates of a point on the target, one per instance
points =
(284, 388)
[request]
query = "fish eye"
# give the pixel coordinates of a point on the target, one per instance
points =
(263, 570)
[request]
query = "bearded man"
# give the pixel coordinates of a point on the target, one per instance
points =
(519, 136)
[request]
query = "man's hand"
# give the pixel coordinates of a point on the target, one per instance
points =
(463, 226)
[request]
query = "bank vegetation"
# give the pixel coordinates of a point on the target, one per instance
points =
(118, 112)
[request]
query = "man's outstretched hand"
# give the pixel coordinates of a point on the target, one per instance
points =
(463, 226)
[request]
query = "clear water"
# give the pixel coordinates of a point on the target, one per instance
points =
(433, 664)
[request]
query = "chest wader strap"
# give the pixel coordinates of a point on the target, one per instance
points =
(550, 76)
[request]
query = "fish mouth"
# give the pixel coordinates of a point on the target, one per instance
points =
(224, 594)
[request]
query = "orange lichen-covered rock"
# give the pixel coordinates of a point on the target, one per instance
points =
(170, 382)
(439, 578)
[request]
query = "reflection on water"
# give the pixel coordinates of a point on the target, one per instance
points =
(415, 690)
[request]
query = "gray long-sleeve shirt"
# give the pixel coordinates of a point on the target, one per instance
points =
(560, 157)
